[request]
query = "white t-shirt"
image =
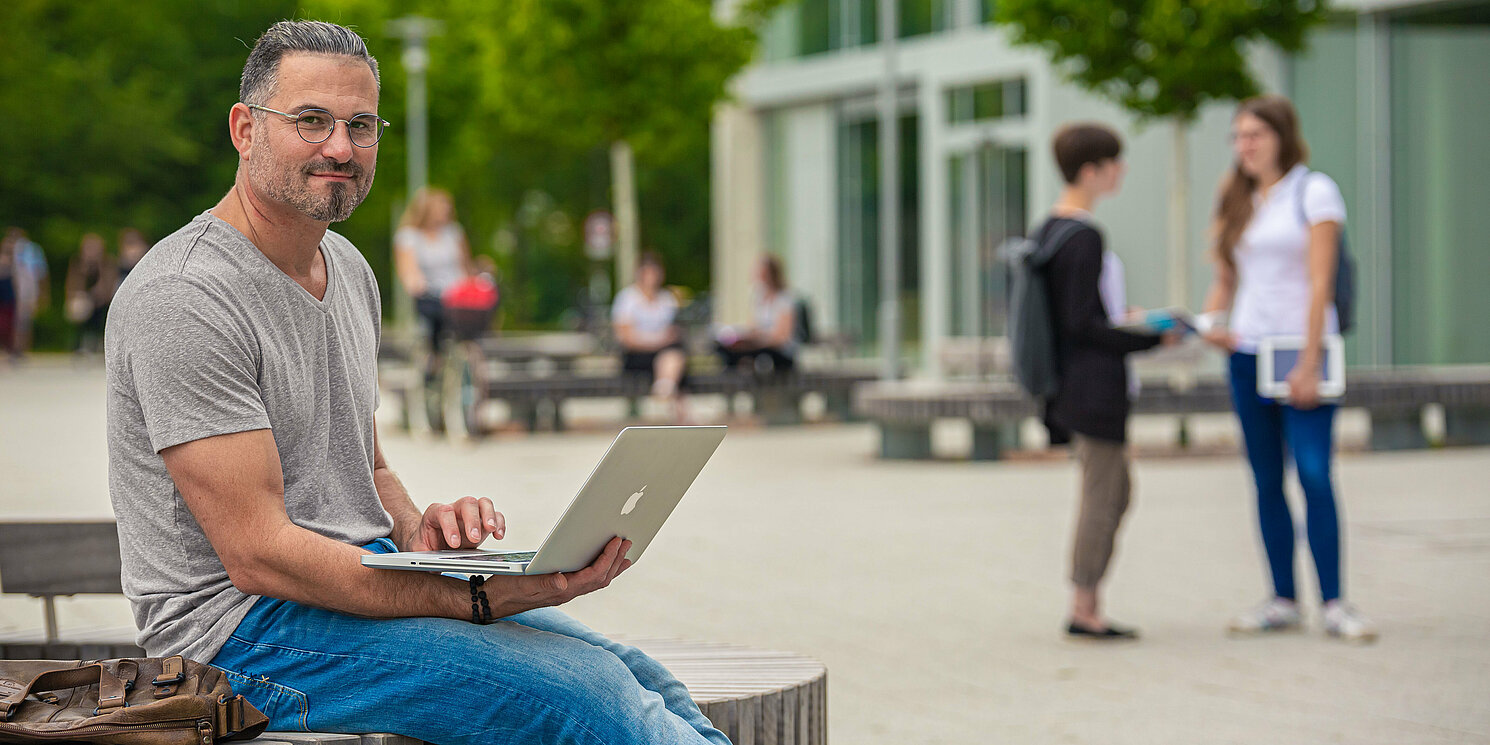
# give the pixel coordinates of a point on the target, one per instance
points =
(647, 319)
(439, 258)
(1272, 296)
(767, 313)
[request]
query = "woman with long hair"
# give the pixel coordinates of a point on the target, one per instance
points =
(430, 254)
(772, 336)
(1277, 231)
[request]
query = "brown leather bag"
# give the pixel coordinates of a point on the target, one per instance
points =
(145, 701)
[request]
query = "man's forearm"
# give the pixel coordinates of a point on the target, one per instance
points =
(301, 566)
(295, 564)
(400, 507)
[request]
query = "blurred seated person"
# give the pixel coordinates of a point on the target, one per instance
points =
(645, 320)
(770, 343)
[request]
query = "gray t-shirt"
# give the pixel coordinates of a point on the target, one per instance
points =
(208, 337)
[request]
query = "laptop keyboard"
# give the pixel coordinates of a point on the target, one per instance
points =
(504, 558)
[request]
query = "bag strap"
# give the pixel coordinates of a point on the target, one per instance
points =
(110, 688)
(237, 719)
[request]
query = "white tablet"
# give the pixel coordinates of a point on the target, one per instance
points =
(1276, 356)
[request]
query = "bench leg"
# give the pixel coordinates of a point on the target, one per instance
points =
(778, 406)
(901, 441)
(991, 441)
(1397, 429)
(1466, 425)
(839, 404)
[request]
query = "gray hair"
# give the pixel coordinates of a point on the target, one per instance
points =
(260, 73)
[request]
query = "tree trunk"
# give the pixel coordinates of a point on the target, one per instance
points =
(1179, 216)
(623, 184)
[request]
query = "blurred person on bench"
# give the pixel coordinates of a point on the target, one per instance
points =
(645, 319)
(247, 477)
(770, 343)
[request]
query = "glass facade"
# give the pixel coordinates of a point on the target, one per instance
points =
(807, 27)
(1424, 262)
(858, 230)
(986, 101)
(1440, 158)
(989, 205)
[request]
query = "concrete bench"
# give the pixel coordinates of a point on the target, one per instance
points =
(754, 696)
(1394, 398)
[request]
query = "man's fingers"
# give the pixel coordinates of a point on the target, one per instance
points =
(470, 518)
(448, 527)
(492, 520)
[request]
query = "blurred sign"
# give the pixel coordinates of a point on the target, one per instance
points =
(599, 235)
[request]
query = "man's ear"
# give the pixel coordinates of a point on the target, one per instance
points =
(241, 129)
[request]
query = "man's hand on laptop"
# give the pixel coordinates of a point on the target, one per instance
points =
(464, 523)
(520, 593)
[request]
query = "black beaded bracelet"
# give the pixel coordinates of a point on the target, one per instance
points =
(480, 608)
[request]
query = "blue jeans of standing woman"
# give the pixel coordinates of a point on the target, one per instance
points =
(1273, 431)
(535, 677)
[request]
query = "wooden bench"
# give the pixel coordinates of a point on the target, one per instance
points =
(1395, 399)
(754, 696)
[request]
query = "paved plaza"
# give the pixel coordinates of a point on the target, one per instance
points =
(935, 591)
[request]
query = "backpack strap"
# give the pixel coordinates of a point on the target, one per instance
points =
(1299, 202)
(1053, 243)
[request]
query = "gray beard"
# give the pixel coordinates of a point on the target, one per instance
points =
(293, 188)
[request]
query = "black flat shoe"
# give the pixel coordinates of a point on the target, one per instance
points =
(1108, 633)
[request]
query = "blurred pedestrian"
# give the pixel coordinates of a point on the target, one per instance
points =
(1091, 404)
(132, 248)
(33, 288)
(431, 253)
(9, 268)
(770, 343)
(1278, 230)
(645, 320)
(91, 281)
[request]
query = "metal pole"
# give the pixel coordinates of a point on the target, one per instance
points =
(889, 185)
(414, 31)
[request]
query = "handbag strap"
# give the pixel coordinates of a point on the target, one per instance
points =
(110, 688)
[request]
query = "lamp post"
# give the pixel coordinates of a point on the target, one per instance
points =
(414, 31)
(889, 310)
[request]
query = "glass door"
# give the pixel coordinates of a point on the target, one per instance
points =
(989, 206)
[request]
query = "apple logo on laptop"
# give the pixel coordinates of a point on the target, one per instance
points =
(632, 500)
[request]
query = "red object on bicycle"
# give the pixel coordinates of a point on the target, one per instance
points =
(472, 293)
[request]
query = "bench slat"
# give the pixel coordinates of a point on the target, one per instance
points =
(59, 558)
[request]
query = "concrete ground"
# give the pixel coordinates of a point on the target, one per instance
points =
(935, 591)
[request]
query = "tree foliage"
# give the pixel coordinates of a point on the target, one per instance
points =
(115, 115)
(1160, 58)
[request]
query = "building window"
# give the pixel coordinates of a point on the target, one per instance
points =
(985, 101)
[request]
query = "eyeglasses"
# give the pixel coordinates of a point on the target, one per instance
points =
(316, 125)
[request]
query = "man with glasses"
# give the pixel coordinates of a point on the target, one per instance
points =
(247, 479)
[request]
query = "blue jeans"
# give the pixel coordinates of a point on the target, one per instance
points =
(535, 677)
(1271, 431)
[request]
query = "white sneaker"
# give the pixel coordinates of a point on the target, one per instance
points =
(1277, 614)
(1343, 621)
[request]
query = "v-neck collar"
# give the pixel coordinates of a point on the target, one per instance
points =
(324, 303)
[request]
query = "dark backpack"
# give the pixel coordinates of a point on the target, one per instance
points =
(1344, 270)
(1032, 333)
(802, 329)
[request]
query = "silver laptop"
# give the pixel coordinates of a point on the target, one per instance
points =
(640, 480)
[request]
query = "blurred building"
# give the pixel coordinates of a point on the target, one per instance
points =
(1392, 95)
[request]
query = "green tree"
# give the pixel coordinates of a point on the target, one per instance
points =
(633, 75)
(1162, 59)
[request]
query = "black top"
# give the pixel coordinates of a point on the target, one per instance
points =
(1092, 396)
